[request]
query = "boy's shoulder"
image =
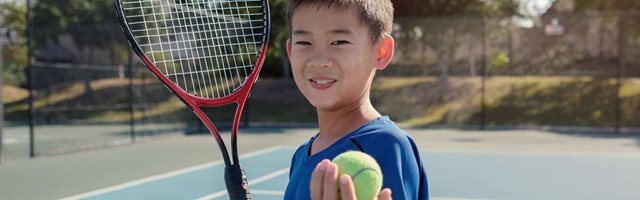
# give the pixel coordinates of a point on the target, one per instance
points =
(381, 127)
(381, 133)
(374, 137)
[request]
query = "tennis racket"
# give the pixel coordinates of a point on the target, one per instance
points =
(207, 52)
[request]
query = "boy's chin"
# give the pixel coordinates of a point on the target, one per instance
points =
(323, 105)
(320, 106)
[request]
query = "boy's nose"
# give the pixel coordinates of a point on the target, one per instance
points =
(319, 61)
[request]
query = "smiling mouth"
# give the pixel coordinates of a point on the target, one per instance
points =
(322, 82)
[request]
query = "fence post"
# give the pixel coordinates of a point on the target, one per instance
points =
(1, 85)
(617, 100)
(483, 63)
(30, 80)
(620, 65)
(132, 131)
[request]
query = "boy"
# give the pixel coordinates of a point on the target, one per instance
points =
(335, 48)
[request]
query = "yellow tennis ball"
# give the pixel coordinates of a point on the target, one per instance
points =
(364, 171)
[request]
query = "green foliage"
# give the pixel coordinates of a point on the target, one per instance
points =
(616, 6)
(424, 8)
(14, 16)
(276, 54)
(13, 71)
(499, 62)
(83, 20)
(86, 21)
(611, 5)
(14, 54)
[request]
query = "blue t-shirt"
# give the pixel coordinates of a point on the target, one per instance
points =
(394, 150)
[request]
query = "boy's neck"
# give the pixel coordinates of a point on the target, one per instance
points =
(334, 125)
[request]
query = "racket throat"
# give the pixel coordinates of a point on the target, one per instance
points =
(236, 182)
(234, 131)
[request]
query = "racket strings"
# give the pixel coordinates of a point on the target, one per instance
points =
(208, 48)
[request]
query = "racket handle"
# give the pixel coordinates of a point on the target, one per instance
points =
(236, 181)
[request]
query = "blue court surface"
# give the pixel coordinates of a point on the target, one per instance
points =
(267, 171)
(452, 176)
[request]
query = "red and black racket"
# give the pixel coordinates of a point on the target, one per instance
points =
(207, 52)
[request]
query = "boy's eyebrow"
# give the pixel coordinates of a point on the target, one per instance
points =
(342, 31)
(300, 32)
(335, 31)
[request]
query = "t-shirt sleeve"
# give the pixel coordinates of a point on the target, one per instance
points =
(400, 164)
(294, 158)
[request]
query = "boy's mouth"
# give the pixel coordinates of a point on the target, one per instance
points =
(322, 81)
(321, 84)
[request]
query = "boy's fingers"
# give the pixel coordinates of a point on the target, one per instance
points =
(347, 192)
(317, 181)
(330, 186)
(385, 194)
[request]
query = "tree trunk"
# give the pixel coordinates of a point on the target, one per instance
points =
(442, 65)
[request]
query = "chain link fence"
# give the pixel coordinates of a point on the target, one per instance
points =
(574, 70)
(571, 70)
(88, 95)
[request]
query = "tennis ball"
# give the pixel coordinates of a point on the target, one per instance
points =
(364, 171)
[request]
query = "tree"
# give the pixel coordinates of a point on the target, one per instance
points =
(421, 8)
(615, 19)
(610, 5)
(14, 54)
(277, 62)
(91, 24)
(442, 26)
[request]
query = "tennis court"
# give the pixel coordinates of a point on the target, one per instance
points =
(461, 164)
(526, 99)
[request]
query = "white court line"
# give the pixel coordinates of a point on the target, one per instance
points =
(255, 181)
(450, 198)
(10, 141)
(168, 174)
(268, 192)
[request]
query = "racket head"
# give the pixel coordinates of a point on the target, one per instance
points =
(209, 53)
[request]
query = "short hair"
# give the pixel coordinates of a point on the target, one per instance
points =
(377, 14)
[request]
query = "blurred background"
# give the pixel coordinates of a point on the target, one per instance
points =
(70, 81)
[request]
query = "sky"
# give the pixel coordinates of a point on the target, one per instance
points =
(532, 9)
(536, 7)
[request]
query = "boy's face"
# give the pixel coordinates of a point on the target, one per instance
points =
(333, 59)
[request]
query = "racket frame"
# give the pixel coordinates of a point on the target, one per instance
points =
(234, 176)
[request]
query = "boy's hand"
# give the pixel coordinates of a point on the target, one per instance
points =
(324, 185)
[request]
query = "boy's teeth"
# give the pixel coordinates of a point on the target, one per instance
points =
(322, 82)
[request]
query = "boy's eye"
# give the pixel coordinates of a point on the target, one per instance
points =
(305, 43)
(339, 42)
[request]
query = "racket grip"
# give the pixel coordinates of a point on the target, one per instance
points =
(236, 181)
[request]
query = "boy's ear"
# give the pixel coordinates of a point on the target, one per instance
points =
(289, 48)
(385, 52)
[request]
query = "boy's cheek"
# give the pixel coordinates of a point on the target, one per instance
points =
(298, 78)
